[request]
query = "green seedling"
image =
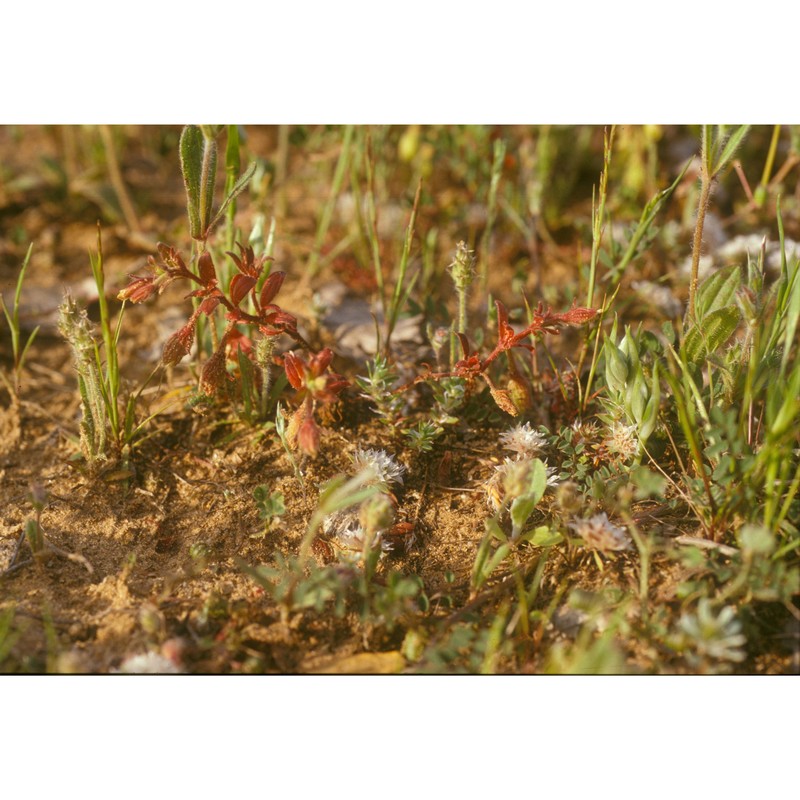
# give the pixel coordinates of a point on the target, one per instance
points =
(270, 507)
(12, 318)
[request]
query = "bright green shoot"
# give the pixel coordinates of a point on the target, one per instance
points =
(12, 317)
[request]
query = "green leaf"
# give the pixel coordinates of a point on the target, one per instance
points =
(756, 539)
(523, 506)
(731, 146)
(718, 290)
(650, 417)
(191, 152)
(646, 220)
(237, 189)
(648, 483)
(208, 179)
(716, 329)
(616, 366)
(543, 536)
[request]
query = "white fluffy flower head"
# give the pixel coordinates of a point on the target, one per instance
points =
(622, 441)
(386, 469)
(523, 440)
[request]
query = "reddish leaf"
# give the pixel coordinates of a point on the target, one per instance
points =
(321, 361)
(209, 304)
(505, 333)
(272, 285)
(205, 266)
(295, 369)
(240, 286)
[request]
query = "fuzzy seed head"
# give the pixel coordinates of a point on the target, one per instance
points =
(463, 267)
(601, 534)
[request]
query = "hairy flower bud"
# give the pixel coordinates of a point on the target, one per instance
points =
(308, 436)
(462, 268)
(504, 401)
(178, 345)
(214, 375)
(138, 289)
(376, 513)
(519, 393)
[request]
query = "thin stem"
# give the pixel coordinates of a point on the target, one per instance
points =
(697, 244)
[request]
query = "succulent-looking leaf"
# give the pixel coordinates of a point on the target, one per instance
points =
(616, 367)
(523, 506)
(542, 536)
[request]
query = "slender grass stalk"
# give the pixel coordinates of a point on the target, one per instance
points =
(110, 384)
(327, 211)
(232, 167)
(599, 213)
(117, 181)
(372, 225)
(491, 211)
(401, 290)
(760, 194)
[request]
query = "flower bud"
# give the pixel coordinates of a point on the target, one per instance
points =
(308, 436)
(376, 513)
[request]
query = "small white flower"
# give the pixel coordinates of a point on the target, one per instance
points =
(717, 637)
(600, 533)
(354, 538)
(622, 441)
(149, 664)
(347, 529)
(386, 469)
(523, 440)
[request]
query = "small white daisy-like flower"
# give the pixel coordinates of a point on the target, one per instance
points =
(622, 441)
(523, 440)
(386, 469)
(718, 637)
(600, 533)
